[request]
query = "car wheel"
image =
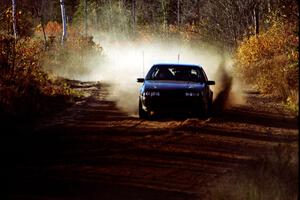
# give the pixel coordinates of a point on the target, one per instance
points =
(204, 110)
(142, 113)
(210, 104)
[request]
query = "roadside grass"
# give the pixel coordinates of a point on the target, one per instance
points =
(292, 103)
(273, 176)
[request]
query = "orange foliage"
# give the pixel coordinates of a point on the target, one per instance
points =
(24, 86)
(270, 60)
(69, 60)
(53, 28)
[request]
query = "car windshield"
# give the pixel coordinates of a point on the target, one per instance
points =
(177, 73)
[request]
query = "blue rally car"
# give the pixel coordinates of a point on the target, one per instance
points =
(175, 87)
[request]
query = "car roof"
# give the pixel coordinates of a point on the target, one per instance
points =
(176, 65)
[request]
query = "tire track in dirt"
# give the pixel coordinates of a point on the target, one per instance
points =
(94, 150)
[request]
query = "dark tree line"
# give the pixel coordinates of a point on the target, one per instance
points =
(225, 21)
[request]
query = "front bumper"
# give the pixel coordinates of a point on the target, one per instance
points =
(162, 104)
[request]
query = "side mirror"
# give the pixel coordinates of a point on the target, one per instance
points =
(140, 80)
(210, 83)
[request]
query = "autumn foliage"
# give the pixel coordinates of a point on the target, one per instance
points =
(24, 23)
(53, 28)
(269, 61)
(68, 60)
(26, 90)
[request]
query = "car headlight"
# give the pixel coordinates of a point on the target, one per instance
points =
(151, 94)
(192, 94)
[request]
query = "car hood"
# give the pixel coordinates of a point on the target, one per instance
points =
(172, 85)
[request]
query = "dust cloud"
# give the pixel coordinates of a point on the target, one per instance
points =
(228, 91)
(125, 61)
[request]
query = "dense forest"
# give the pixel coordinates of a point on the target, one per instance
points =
(226, 22)
(261, 36)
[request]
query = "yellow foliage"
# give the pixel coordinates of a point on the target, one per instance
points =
(269, 60)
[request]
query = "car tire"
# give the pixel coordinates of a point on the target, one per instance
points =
(142, 113)
(204, 110)
(210, 104)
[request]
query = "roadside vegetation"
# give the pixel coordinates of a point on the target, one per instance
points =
(28, 86)
(26, 89)
(269, 61)
(68, 60)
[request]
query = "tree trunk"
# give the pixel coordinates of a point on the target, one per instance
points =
(269, 5)
(164, 9)
(178, 14)
(85, 18)
(15, 35)
(133, 15)
(42, 21)
(43, 29)
(14, 19)
(198, 12)
(64, 21)
(111, 15)
(256, 15)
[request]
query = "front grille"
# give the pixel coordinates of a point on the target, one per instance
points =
(173, 100)
(172, 94)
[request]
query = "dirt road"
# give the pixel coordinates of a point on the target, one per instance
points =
(95, 151)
